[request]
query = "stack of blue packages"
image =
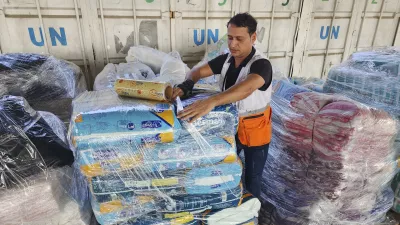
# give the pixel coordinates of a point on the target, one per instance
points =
(144, 167)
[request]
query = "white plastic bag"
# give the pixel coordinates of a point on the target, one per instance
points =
(169, 66)
(131, 70)
(149, 56)
(135, 70)
(172, 71)
(102, 80)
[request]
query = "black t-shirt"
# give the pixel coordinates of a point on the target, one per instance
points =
(261, 67)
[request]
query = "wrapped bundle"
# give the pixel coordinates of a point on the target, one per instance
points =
(371, 77)
(29, 144)
(146, 167)
(330, 161)
(34, 189)
(47, 83)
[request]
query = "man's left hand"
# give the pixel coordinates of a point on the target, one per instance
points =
(197, 109)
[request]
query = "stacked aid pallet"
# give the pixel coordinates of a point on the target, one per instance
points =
(144, 167)
(373, 78)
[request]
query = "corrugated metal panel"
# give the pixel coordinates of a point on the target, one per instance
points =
(198, 23)
(378, 24)
(397, 38)
(22, 30)
(336, 28)
(199, 19)
(120, 19)
(301, 37)
(25, 23)
(100, 30)
(278, 23)
(116, 25)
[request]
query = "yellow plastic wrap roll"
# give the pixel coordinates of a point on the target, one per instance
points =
(158, 91)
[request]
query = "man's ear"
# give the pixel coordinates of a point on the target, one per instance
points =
(253, 38)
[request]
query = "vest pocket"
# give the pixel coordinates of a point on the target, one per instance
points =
(255, 130)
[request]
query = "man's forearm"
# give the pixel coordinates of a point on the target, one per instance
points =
(192, 78)
(194, 75)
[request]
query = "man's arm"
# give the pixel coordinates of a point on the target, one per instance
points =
(200, 72)
(236, 93)
(192, 77)
(212, 67)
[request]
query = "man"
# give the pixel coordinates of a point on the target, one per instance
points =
(246, 77)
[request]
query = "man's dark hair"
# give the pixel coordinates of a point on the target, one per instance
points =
(244, 20)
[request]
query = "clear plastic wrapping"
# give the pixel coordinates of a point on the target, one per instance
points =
(314, 84)
(57, 126)
(146, 167)
(330, 161)
(31, 192)
(396, 188)
(29, 142)
(369, 77)
(43, 201)
(19, 157)
(385, 60)
(47, 83)
(16, 114)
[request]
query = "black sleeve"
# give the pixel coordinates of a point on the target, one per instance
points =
(216, 64)
(263, 68)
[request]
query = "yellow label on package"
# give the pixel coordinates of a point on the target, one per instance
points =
(103, 167)
(182, 220)
(165, 182)
(175, 215)
(145, 199)
(112, 206)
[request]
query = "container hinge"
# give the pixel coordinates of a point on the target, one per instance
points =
(175, 14)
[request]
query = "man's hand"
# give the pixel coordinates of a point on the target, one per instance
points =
(197, 109)
(177, 92)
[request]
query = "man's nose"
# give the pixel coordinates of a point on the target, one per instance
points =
(233, 43)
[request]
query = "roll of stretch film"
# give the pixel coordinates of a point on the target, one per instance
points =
(158, 91)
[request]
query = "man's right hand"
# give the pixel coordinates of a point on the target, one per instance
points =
(177, 92)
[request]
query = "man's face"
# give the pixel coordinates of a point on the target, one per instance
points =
(239, 40)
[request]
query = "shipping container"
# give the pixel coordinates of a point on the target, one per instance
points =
(196, 20)
(90, 33)
(330, 30)
(301, 37)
